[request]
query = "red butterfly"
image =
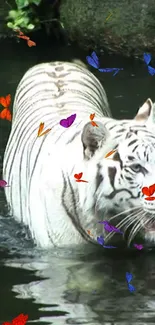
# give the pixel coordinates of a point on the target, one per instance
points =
(149, 191)
(91, 118)
(29, 42)
(78, 178)
(5, 102)
(19, 320)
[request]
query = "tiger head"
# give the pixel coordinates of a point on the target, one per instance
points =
(118, 194)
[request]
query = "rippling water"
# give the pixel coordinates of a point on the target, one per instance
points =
(73, 287)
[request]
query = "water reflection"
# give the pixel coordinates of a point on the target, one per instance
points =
(62, 288)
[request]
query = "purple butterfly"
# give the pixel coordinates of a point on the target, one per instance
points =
(108, 227)
(138, 246)
(129, 277)
(3, 183)
(101, 242)
(66, 123)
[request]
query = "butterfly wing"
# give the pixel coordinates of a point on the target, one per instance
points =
(109, 246)
(131, 287)
(8, 100)
(20, 319)
(78, 176)
(91, 62)
(41, 126)
(147, 58)
(95, 58)
(100, 240)
(92, 116)
(94, 123)
(5, 101)
(31, 43)
(3, 113)
(3, 183)
(8, 115)
(129, 277)
(109, 153)
(116, 72)
(71, 119)
(151, 70)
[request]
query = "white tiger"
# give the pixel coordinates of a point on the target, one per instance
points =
(43, 193)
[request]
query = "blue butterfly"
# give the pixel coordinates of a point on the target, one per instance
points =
(93, 60)
(151, 70)
(111, 69)
(147, 58)
(101, 242)
(129, 277)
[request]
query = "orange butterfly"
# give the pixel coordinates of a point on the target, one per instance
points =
(89, 233)
(91, 118)
(29, 42)
(109, 153)
(41, 126)
(5, 102)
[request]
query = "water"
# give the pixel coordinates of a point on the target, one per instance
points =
(70, 287)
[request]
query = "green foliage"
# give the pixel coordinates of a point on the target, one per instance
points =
(24, 3)
(19, 19)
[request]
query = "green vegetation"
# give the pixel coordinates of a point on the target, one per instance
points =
(24, 17)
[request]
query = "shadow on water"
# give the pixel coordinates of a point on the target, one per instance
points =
(59, 287)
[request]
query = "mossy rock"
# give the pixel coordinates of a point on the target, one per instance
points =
(128, 31)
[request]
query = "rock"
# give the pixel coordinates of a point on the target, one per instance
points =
(128, 31)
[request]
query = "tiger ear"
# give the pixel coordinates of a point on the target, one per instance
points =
(145, 112)
(93, 138)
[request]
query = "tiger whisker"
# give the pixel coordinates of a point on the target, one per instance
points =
(135, 217)
(124, 212)
(137, 227)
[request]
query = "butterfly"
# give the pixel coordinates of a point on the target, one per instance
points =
(89, 232)
(29, 42)
(41, 126)
(19, 320)
(5, 102)
(149, 191)
(129, 277)
(151, 70)
(147, 58)
(78, 178)
(91, 118)
(138, 246)
(66, 123)
(109, 153)
(94, 62)
(108, 227)
(100, 240)
(3, 183)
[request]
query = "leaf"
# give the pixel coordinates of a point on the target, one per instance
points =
(22, 3)
(36, 2)
(30, 26)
